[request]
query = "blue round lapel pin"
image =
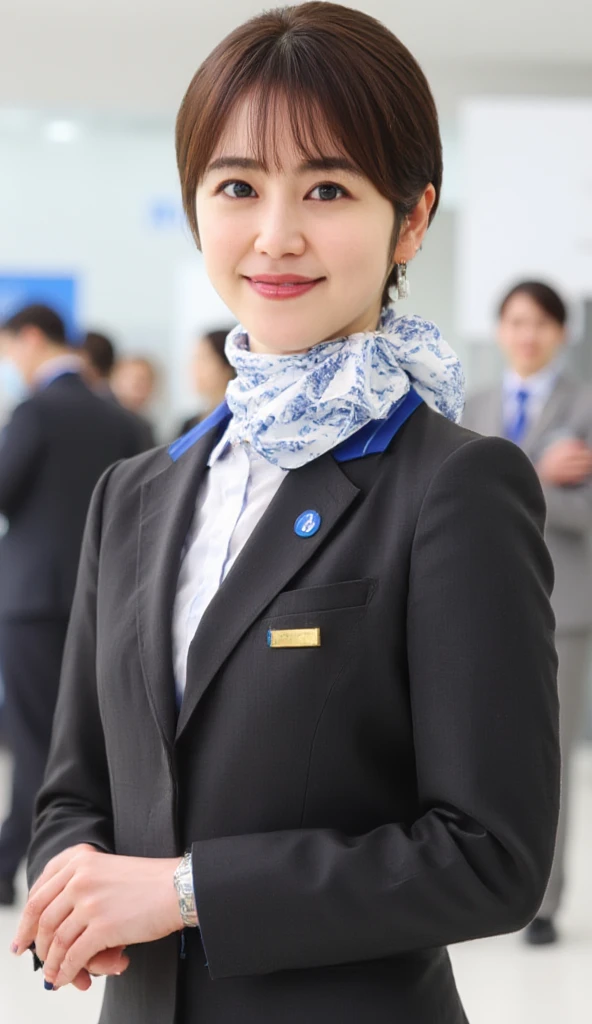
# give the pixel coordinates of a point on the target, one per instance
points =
(307, 524)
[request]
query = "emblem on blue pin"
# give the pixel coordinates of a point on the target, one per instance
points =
(307, 524)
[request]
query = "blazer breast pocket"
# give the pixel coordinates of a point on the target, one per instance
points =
(312, 635)
(326, 597)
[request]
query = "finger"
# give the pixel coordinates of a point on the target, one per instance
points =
(82, 981)
(64, 939)
(50, 921)
(110, 961)
(36, 905)
(81, 952)
(56, 864)
(53, 867)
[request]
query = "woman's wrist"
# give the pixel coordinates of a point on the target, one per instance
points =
(183, 882)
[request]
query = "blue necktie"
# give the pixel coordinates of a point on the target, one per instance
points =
(516, 430)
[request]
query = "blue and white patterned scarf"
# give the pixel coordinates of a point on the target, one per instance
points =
(293, 408)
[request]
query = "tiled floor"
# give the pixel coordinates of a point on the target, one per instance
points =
(500, 980)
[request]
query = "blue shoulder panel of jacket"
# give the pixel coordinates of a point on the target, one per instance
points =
(372, 439)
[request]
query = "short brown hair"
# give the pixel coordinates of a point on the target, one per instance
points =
(325, 59)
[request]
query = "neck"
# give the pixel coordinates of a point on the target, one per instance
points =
(49, 353)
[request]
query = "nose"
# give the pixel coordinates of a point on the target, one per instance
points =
(279, 231)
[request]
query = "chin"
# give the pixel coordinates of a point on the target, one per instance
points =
(284, 334)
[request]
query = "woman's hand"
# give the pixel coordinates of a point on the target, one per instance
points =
(87, 902)
(110, 961)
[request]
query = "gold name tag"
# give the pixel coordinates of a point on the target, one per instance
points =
(294, 638)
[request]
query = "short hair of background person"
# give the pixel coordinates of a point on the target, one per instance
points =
(134, 381)
(531, 326)
(30, 337)
(210, 373)
(43, 318)
(98, 352)
(546, 297)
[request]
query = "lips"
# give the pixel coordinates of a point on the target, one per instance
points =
(282, 286)
(278, 279)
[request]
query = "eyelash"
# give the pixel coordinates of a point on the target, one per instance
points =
(237, 181)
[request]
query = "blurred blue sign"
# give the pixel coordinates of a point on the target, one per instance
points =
(58, 291)
(165, 214)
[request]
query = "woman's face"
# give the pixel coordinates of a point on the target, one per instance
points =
(328, 225)
(210, 373)
(529, 337)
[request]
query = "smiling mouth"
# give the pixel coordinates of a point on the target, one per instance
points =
(284, 281)
(289, 288)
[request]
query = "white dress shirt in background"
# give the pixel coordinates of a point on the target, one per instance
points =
(538, 387)
(236, 491)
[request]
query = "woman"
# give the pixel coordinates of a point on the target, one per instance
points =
(210, 372)
(546, 410)
(364, 765)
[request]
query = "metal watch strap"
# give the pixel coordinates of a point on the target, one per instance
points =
(183, 879)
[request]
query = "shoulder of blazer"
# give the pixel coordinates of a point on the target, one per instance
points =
(421, 449)
(579, 390)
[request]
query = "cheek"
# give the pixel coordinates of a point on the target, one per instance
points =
(358, 244)
(221, 240)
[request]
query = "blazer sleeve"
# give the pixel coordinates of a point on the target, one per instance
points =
(482, 676)
(21, 451)
(74, 803)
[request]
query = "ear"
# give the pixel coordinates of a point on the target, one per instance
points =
(415, 227)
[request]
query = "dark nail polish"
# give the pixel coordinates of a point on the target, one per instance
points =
(48, 986)
(14, 948)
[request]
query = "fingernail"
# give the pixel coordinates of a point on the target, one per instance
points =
(48, 986)
(14, 948)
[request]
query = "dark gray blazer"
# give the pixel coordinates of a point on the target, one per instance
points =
(352, 808)
(52, 453)
(569, 509)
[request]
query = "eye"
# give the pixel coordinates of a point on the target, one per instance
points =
(327, 192)
(235, 189)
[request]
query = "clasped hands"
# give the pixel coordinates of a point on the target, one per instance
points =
(87, 906)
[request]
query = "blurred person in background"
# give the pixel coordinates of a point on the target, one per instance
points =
(548, 413)
(52, 452)
(210, 374)
(133, 382)
(99, 355)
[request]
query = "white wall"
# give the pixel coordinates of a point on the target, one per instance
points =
(87, 207)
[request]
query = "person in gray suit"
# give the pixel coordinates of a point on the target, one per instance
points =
(548, 413)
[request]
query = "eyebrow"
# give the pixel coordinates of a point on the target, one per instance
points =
(324, 163)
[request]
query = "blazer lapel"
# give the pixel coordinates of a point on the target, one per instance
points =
(270, 559)
(167, 507)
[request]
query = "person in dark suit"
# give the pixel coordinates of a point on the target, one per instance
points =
(210, 373)
(548, 412)
(52, 452)
(307, 733)
(98, 353)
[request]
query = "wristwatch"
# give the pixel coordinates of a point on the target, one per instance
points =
(183, 879)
